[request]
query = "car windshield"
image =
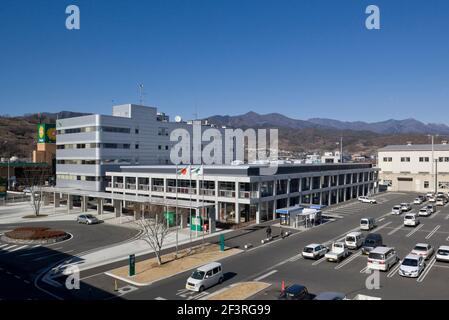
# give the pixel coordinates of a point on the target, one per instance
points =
(443, 252)
(409, 217)
(198, 275)
(410, 262)
(370, 242)
(396, 208)
(89, 216)
(350, 239)
(376, 256)
(420, 248)
(364, 222)
(308, 249)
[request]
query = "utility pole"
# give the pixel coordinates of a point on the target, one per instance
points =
(436, 176)
(341, 149)
(433, 157)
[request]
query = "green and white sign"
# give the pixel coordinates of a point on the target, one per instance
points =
(196, 223)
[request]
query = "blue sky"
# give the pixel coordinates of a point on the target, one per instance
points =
(302, 58)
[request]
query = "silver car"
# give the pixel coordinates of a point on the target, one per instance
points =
(87, 219)
(443, 254)
(412, 266)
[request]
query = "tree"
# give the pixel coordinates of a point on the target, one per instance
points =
(35, 179)
(154, 231)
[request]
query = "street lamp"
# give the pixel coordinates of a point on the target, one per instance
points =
(7, 181)
(432, 136)
(341, 148)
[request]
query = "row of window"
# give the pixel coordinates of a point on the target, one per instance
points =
(95, 162)
(96, 129)
(160, 147)
(421, 159)
(78, 178)
(95, 146)
(441, 184)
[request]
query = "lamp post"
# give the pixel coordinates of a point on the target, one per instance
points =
(432, 136)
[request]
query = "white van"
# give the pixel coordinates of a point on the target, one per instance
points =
(411, 220)
(205, 277)
(354, 240)
(367, 223)
(382, 258)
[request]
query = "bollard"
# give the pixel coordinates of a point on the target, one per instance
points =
(115, 286)
(248, 245)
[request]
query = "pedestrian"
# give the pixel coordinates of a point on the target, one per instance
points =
(269, 232)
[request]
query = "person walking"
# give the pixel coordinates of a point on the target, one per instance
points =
(268, 232)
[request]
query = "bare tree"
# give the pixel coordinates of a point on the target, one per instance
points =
(154, 231)
(35, 179)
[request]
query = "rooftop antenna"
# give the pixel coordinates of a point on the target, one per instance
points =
(141, 93)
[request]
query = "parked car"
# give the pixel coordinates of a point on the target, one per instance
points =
(382, 258)
(372, 241)
(406, 207)
(432, 208)
(442, 195)
(424, 250)
(443, 254)
(411, 220)
(314, 251)
(440, 201)
(412, 266)
(354, 240)
(330, 296)
(338, 252)
(294, 292)
(432, 199)
(205, 277)
(418, 201)
(424, 211)
(87, 219)
(367, 223)
(365, 199)
(430, 195)
(396, 210)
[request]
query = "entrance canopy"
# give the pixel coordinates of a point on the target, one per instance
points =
(130, 198)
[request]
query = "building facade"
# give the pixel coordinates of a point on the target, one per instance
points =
(415, 168)
(241, 194)
(89, 146)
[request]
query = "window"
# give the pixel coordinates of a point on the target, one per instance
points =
(137, 131)
(162, 131)
(423, 159)
(443, 159)
(388, 183)
(137, 146)
(159, 147)
(405, 159)
(426, 184)
(93, 129)
(388, 159)
(443, 185)
(166, 147)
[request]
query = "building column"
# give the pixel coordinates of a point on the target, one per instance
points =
(237, 204)
(137, 211)
(217, 210)
(57, 199)
(69, 202)
(46, 199)
(211, 214)
(83, 204)
(99, 206)
(117, 208)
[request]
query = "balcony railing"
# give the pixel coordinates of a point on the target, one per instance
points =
(158, 188)
(144, 187)
(227, 193)
(207, 192)
(244, 194)
(118, 185)
(131, 186)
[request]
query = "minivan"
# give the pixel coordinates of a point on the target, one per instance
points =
(354, 240)
(205, 277)
(411, 220)
(367, 223)
(372, 241)
(382, 258)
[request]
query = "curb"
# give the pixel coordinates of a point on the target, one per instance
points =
(234, 285)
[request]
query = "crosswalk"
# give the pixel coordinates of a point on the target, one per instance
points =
(33, 252)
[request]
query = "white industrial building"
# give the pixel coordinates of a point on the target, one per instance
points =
(418, 168)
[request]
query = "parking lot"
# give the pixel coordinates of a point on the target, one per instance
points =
(349, 275)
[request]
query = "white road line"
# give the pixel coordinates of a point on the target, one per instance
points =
(447, 239)
(52, 255)
(447, 217)
(364, 270)
(414, 230)
(4, 245)
(427, 270)
(198, 296)
(295, 258)
(159, 298)
(266, 275)
(381, 219)
(348, 260)
(319, 261)
(433, 232)
(435, 214)
(36, 252)
(17, 249)
(10, 247)
(395, 229)
(394, 270)
(382, 226)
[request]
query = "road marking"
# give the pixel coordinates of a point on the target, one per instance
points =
(198, 296)
(319, 261)
(394, 270)
(265, 275)
(51, 255)
(364, 270)
(26, 281)
(37, 252)
(10, 247)
(348, 260)
(382, 226)
(295, 258)
(17, 277)
(414, 230)
(426, 270)
(381, 219)
(433, 232)
(159, 298)
(395, 230)
(435, 214)
(4, 245)
(17, 249)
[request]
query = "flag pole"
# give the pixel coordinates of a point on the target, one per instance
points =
(176, 211)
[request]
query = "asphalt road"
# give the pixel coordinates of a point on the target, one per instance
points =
(278, 260)
(21, 264)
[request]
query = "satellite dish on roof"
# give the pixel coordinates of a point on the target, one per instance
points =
(178, 119)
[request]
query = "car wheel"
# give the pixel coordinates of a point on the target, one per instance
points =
(220, 281)
(201, 289)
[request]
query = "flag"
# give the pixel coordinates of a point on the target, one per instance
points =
(184, 171)
(197, 170)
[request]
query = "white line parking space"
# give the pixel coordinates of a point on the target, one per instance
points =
(348, 260)
(395, 230)
(394, 270)
(315, 263)
(434, 215)
(191, 295)
(426, 270)
(432, 232)
(414, 230)
(265, 275)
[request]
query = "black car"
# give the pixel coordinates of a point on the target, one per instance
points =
(372, 241)
(294, 292)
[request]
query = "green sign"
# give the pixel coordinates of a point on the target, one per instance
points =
(170, 217)
(132, 265)
(221, 242)
(196, 223)
(46, 133)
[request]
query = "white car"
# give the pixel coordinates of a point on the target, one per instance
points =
(411, 220)
(443, 254)
(412, 266)
(314, 251)
(406, 206)
(396, 210)
(440, 202)
(364, 199)
(432, 199)
(431, 208)
(418, 201)
(382, 258)
(425, 211)
(424, 250)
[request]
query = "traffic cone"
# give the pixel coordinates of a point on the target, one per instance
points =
(283, 286)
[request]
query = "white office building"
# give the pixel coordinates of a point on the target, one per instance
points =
(418, 168)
